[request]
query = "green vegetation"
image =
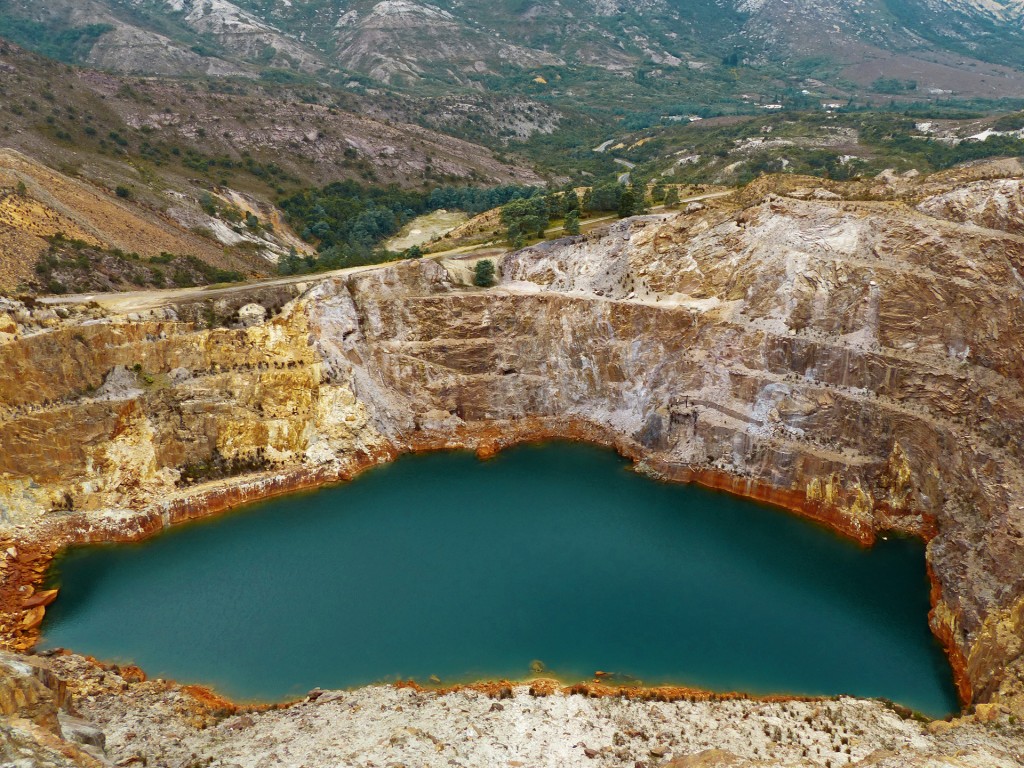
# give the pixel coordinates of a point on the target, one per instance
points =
(631, 203)
(528, 219)
(63, 44)
(524, 219)
(614, 198)
(893, 85)
(71, 265)
(844, 144)
(1009, 122)
(895, 135)
(572, 223)
(348, 222)
(483, 273)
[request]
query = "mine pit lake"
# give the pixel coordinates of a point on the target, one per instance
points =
(444, 565)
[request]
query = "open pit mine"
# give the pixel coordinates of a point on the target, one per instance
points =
(854, 354)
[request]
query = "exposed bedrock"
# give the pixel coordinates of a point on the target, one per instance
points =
(861, 363)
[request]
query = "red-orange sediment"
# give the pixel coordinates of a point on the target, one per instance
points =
(944, 633)
(28, 570)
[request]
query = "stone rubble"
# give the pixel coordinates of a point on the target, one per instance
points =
(857, 361)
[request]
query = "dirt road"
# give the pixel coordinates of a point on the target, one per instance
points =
(140, 301)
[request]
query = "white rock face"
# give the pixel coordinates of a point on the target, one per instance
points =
(402, 13)
(120, 384)
(1000, 10)
(252, 314)
(384, 726)
(239, 30)
(997, 204)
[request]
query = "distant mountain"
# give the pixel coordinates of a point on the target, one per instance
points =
(639, 55)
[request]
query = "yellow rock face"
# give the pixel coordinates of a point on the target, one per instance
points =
(859, 362)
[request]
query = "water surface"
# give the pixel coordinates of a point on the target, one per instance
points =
(445, 565)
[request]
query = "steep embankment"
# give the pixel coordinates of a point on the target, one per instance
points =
(857, 362)
(38, 202)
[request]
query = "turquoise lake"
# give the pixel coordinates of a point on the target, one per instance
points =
(445, 565)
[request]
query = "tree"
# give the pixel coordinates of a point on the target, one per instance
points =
(290, 264)
(483, 273)
(672, 197)
(553, 203)
(630, 203)
(413, 252)
(572, 223)
(523, 218)
(587, 202)
(570, 202)
(22, 189)
(606, 197)
(658, 193)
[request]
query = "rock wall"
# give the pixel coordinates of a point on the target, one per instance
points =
(857, 362)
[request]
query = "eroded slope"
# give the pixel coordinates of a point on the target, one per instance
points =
(858, 362)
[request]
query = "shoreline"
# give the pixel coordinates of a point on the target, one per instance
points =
(541, 686)
(26, 572)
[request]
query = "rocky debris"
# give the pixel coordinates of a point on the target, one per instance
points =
(119, 384)
(81, 731)
(380, 725)
(36, 725)
(251, 314)
(997, 204)
(857, 362)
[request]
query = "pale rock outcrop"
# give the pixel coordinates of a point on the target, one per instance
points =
(858, 362)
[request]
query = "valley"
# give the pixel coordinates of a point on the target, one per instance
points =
(385, 285)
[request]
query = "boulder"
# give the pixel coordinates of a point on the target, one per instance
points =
(252, 314)
(81, 731)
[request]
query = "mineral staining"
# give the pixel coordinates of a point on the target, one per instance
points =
(851, 359)
(445, 566)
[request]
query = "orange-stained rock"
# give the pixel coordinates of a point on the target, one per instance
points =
(40, 599)
(33, 617)
(859, 363)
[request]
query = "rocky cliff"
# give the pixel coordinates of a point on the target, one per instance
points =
(856, 362)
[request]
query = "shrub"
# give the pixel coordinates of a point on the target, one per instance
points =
(483, 273)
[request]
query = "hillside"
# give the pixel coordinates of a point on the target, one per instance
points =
(268, 135)
(654, 55)
(830, 143)
(151, 165)
(45, 213)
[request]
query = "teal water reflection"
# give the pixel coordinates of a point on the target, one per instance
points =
(445, 565)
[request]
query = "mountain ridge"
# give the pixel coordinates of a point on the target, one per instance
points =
(520, 45)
